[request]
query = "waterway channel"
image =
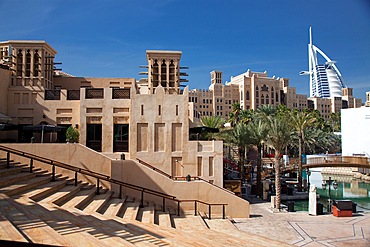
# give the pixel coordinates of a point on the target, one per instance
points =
(355, 190)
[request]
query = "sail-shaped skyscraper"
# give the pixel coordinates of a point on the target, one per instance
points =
(325, 79)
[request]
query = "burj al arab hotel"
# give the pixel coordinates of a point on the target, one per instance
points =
(325, 80)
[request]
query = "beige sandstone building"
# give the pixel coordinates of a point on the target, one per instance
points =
(146, 120)
(252, 89)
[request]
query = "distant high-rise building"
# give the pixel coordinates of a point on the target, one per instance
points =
(325, 79)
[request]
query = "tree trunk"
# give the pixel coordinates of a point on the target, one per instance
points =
(300, 162)
(259, 170)
(277, 179)
(241, 153)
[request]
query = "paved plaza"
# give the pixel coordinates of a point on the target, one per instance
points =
(301, 229)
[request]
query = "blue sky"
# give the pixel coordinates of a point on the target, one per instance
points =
(109, 38)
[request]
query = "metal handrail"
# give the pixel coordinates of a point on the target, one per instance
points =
(99, 176)
(209, 207)
(81, 171)
(178, 177)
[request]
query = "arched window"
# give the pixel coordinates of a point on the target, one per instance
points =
(256, 93)
(277, 97)
(272, 95)
(257, 88)
(19, 62)
(272, 89)
(247, 95)
(28, 63)
(262, 99)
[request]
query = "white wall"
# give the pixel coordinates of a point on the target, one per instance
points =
(355, 131)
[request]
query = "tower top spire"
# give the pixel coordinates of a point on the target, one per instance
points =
(310, 36)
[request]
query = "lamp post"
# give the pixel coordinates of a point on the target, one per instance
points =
(335, 186)
(308, 172)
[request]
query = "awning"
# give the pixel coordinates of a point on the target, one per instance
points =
(43, 128)
(7, 126)
(4, 118)
(203, 128)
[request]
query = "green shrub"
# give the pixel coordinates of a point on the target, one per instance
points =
(72, 132)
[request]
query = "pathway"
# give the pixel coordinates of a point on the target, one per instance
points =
(301, 229)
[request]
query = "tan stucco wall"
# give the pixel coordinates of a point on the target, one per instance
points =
(73, 154)
(132, 172)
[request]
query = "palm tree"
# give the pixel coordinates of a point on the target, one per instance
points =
(257, 133)
(234, 115)
(279, 135)
(238, 136)
(300, 121)
(215, 121)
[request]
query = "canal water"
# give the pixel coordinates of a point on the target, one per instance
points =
(355, 190)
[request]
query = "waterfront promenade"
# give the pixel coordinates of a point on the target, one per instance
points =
(301, 229)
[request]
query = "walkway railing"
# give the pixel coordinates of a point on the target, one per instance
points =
(178, 178)
(98, 178)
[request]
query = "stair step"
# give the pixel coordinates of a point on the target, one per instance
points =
(12, 179)
(80, 198)
(60, 224)
(131, 210)
(10, 171)
(148, 214)
(32, 227)
(9, 232)
(164, 219)
(99, 201)
(44, 190)
(166, 234)
(11, 164)
(25, 185)
(62, 195)
(220, 225)
(189, 223)
(115, 205)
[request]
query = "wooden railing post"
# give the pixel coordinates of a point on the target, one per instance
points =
(164, 205)
(209, 211)
(31, 165)
(195, 208)
(97, 186)
(53, 174)
(223, 211)
(76, 178)
(7, 160)
(178, 208)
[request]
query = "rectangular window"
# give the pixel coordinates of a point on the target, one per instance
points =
(142, 110)
(177, 110)
(210, 166)
(196, 99)
(204, 101)
(199, 166)
(159, 110)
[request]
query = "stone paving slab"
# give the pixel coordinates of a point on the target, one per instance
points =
(302, 229)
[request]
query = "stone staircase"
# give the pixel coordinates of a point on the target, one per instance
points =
(33, 209)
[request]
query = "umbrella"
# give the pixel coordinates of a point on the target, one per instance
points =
(7, 126)
(203, 128)
(43, 128)
(4, 118)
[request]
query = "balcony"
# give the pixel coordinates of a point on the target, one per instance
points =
(121, 93)
(52, 94)
(94, 93)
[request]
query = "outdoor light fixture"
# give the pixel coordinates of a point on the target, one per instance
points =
(335, 186)
(308, 178)
(188, 178)
(122, 156)
(33, 139)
